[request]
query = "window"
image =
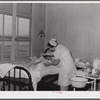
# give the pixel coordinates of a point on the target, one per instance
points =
(7, 25)
(23, 38)
(7, 50)
(22, 47)
(1, 44)
(23, 27)
(1, 24)
(5, 37)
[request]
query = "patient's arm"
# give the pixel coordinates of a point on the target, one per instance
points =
(36, 60)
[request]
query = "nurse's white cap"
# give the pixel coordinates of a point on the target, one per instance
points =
(53, 42)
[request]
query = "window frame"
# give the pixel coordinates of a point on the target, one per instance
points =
(4, 38)
(24, 38)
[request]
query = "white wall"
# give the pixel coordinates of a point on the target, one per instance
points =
(38, 15)
(77, 26)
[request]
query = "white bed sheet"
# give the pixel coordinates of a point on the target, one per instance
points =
(37, 72)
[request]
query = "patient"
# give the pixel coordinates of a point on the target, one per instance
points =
(44, 62)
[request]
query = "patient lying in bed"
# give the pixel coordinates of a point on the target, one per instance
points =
(42, 62)
(41, 67)
(44, 66)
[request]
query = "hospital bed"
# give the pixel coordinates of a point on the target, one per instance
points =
(16, 79)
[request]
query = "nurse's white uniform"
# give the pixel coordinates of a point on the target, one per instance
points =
(67, 66)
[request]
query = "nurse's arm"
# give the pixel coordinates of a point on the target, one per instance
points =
(47, 54)
(53, 62)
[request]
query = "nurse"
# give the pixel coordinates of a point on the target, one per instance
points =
(66, 63)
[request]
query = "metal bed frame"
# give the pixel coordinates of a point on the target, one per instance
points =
(13, 83)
